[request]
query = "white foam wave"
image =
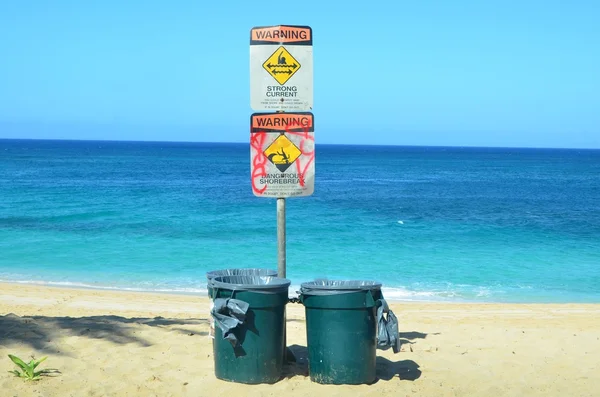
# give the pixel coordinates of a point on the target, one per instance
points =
(401, 294)
(406, 295)
(69, 284)
(447, 293)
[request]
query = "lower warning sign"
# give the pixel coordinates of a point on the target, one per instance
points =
(282, 154)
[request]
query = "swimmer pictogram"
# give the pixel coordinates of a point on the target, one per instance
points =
(281, 65)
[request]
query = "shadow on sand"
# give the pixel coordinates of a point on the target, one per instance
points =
(386, 370)
(39, 331)
(407, 338)
(404, 370)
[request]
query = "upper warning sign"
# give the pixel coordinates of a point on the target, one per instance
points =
(281, 65)
(281, 68)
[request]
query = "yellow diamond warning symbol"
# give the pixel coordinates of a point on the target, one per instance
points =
(282, 152)
(281, 65)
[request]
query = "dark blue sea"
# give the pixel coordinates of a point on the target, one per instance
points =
(430, 223)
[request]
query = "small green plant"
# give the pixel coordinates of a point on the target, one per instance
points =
(28, 371)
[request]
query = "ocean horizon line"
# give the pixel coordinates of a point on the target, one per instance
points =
(454, 147)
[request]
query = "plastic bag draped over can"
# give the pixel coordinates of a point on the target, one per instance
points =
(231, 272)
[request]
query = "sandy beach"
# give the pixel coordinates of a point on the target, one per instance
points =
(113, 343)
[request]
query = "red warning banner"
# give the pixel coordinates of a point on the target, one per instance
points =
(298, 35)
(265, 122)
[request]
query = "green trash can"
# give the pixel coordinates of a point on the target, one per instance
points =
(248, 311)
(342, 328)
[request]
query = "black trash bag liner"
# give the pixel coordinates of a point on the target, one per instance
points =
(258, 284)
(228, 314)
(387, 328)
(335, 287)
(240, 272)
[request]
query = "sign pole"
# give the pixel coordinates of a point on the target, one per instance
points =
(281, 254)
(281, 271)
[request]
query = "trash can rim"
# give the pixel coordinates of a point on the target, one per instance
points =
(343, 285)
(217, 273)
(274, 283)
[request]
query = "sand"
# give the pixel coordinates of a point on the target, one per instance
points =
(111, 343)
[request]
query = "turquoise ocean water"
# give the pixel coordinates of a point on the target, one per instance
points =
(443, 224)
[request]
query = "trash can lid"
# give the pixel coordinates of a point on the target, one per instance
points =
(338, 286)
(250, 283)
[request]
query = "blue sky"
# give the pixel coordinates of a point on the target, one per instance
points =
(461, 73)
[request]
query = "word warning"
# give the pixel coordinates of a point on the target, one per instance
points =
(282, 154)
(281, 68)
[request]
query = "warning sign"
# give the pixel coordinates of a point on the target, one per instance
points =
(281, 68)
(281, 65)
(282, 154)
